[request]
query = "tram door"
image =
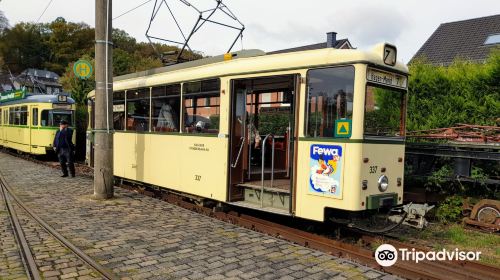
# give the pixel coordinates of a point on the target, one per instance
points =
(261, 142)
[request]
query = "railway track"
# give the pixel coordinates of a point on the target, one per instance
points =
(423, 270)
(432, 270)
(27, 257)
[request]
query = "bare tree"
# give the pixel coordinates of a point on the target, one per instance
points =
(4, 22)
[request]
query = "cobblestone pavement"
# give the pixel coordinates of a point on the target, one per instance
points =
(139, 237)
(53, 260)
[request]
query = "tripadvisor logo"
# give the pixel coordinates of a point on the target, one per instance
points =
(388, 255)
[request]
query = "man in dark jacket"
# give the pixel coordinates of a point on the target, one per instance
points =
(64, 148)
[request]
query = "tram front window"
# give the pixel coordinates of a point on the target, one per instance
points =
(54, 117)
(330, 98)
(384, 112)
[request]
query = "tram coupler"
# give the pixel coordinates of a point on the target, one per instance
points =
(415, 214)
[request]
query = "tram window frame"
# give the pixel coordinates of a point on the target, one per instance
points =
(143, 97)
(346, 112)
(48, 116)
(34, 117)
(23, 115)
(166, 119)
(119, 114)
(371, 124)
(195, 95)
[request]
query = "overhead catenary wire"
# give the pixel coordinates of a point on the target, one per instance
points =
(46, 7)
(133, 9)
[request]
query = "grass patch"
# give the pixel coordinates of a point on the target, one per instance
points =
(451, 236)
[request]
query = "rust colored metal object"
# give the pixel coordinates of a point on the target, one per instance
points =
(484, 214)
(462, 133)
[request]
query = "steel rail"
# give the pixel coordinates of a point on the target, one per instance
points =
(24, 249)
(423, 270)
(77, 251)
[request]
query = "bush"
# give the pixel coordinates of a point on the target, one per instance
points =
(450, 210)
(463, 92)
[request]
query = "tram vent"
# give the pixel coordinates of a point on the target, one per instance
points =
(331, 39)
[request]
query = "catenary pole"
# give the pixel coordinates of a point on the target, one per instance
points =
(103, 141)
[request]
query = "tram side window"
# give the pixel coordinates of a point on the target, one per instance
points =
(119, 110)
(35, 117)
(18, 115)
(202, 106)
(166, 105)
(23, 115)
(138, 109)
(330, 97)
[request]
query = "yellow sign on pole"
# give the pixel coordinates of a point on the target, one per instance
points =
(343, 128)
(82, 69)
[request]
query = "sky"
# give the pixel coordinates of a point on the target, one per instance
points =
(272, 24)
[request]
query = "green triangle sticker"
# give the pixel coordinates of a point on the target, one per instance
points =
(342, 128)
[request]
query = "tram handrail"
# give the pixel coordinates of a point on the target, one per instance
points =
(233, 165)
(263, 153)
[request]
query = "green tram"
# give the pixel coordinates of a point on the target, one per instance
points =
(28, 123)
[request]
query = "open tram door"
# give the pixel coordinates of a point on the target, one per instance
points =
(262, 135)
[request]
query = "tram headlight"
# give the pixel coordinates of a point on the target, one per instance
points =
(383, 183)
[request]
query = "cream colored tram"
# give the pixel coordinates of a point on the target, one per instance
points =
(299, 133)
(28, 123)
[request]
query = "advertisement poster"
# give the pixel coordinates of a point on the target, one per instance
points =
(325, 170)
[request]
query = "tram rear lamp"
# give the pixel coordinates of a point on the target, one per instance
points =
(364, 185)
(400, 182)
(383, 183)
(400, 159)
(365, 160)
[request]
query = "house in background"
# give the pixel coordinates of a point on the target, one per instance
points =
(38, 81)
(331, 42)
(471, 39)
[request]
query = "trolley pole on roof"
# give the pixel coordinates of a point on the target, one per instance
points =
(103, 135)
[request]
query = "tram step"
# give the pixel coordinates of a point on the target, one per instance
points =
(270, 197)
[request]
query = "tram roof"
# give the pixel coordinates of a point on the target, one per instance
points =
(252, 61)
(37, 98)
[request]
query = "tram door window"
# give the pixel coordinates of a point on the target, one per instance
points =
(34, 117)
(166, 105)
(262, 111)
(138, 109)
(201, 106)
(119, 110)
(330, 97)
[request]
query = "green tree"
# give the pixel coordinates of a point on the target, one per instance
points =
(67, 42)
(22, 47)
(4, 22)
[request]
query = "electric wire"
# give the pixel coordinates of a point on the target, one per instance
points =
(133, 9)
(46, 7)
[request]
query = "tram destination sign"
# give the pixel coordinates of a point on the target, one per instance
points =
(386, 78)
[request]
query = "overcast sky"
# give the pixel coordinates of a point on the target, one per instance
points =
(278, 24)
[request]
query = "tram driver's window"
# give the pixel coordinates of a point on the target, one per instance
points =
(202, 106)
(330, 97)
(138, 109)
(119, 110)
(166, 105)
